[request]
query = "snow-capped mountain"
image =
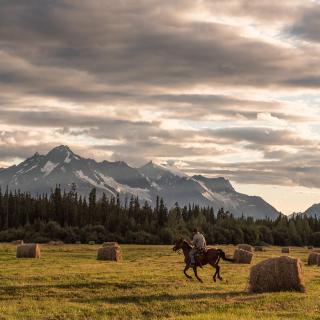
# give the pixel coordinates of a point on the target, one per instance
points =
(41, 173)
(175, 186)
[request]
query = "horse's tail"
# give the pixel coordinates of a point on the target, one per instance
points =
(222, 255)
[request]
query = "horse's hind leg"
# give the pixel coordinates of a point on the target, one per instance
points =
(185, 272)
(215, 265)
(196, 274)
(215, 274)
(218, 272)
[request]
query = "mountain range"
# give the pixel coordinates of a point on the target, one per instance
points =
(41, 173)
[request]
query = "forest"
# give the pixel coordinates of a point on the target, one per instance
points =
(69, 217)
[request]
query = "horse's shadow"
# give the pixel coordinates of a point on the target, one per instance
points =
(164, 297)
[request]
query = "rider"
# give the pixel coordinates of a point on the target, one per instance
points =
(199, 243)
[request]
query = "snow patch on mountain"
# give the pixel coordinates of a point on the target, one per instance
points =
(224, 198)
(87, 179)
(155, 185)
(208, 194)
(32, 168)
(68, 157)
(138, 192)
(48, 168)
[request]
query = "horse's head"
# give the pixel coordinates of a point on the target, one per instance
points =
(178, 245)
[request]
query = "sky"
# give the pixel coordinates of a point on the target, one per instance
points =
(219, 88)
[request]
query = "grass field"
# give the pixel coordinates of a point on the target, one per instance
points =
(69, 283)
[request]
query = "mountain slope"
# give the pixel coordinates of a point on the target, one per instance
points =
(314, 210)
(41, 173)
(221, 192)
(175, 186)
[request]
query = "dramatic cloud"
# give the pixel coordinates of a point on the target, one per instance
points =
(308, 24)
(220, 87)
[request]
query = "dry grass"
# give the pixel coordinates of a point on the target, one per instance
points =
(68, 283)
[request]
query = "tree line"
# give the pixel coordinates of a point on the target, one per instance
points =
(70, 217)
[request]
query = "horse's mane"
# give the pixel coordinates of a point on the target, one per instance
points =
(187, 243)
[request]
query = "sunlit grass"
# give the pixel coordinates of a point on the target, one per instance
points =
(69, 283)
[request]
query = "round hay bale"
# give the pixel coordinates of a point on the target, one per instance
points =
(285, 250)
(313, 258)
(110, 253)
(317, 250)
(242, 256)
(17, 242)
(52, 243)
(277, 274)
(78, 242)
(244, 246)
(106, 244)
(258, 248)
(91, 243)
(29, 250)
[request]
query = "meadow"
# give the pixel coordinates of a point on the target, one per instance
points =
(67, 282)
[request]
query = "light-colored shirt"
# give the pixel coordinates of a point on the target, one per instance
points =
(199, 241)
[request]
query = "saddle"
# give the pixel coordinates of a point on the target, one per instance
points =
(199, 254)
(201, 251)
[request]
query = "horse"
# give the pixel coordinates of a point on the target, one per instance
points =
(211, 256)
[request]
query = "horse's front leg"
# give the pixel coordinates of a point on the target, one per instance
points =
(185, 271)
(196, 274)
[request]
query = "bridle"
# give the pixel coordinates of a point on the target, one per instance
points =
(179, 251)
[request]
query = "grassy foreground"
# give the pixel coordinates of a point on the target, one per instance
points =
(69, 283)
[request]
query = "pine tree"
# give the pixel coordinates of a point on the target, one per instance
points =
(92, 206)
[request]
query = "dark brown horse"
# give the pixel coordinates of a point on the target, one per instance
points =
(211, 256)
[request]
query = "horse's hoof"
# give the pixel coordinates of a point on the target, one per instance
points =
(214, 280)
(220, 279)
